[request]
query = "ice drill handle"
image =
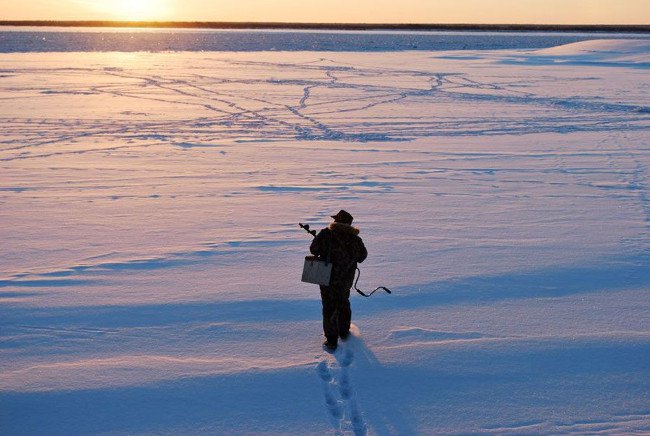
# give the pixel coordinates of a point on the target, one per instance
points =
(306, 227)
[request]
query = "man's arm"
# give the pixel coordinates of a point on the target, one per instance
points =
(362, 252)
(318, 245)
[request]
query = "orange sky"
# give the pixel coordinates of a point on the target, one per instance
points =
(337, 11)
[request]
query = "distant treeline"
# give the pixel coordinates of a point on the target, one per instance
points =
(333, 26)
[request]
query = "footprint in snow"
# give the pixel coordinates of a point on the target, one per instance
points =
(340, 401)
(324, 372)
(344, 385)
(346, 358)
(334, 406)
(335, 409)
(358, 424)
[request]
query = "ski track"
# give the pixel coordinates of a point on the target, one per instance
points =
(229, 116)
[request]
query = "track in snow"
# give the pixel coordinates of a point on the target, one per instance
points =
(339, 392)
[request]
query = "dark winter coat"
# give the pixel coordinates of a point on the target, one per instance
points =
(341, 242)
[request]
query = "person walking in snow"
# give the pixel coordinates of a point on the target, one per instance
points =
(341, 242)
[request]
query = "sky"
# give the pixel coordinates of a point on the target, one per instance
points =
(337, 11)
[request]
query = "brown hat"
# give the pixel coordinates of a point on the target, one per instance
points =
(343, 217)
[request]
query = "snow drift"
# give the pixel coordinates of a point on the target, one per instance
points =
(629, 52)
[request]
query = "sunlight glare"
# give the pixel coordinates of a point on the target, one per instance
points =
(139, 10)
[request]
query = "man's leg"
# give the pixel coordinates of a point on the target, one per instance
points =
(345, 313)
(330, 327)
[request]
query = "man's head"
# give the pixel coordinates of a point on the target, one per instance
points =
(343, 217)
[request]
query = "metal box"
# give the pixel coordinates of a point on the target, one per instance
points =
(316, 271)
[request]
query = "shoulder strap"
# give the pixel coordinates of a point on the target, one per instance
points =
(329, 247)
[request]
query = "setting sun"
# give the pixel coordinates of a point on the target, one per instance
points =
(337, 11)
(137, 10)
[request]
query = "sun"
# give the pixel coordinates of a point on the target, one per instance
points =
(140, 10)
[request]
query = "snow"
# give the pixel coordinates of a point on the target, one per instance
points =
(604, 50)
(150, 272)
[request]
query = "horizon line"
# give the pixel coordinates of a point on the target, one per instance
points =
(326, 26)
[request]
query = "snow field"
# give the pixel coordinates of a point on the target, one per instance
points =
(151, 262)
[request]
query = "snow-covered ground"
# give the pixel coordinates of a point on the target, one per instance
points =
(151, 254)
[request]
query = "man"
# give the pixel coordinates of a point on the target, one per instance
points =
(341, 244)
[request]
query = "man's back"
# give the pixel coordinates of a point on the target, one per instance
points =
(341, 244)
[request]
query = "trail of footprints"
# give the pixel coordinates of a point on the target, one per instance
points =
(340, 401)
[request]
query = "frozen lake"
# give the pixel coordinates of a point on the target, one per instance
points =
(26, 39)
(149, 202)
